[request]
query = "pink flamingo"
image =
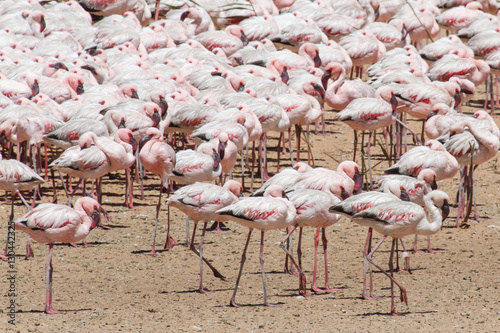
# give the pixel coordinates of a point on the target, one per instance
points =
(340, 92)
(397, 219)
(158, 157)
(285, 178)
(460, 65)
(15, 177)
(264, 213)
(202, 164)
(369, 114)
(230, 40)
(51, 223)
(200, 201)
(431, 156)
(470, 145)
(312, 211)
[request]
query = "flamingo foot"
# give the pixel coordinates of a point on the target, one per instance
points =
(327, 289)
(464, 225)
(74, 245)
(29, 253)
(266, 303)
(169, 244)
(153, 252)
(397, 314)
(105, 227)
(204, 291)
(429, 250)
(370, 297)
(290, 270)
(218, 227)
(51, 311)
(415, 250)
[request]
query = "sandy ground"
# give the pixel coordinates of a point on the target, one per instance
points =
(114, 286)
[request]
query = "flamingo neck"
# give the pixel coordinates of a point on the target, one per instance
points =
(426, 227)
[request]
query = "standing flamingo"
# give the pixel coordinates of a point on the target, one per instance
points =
(265, 213)
(398, 219)
(200, 201)
(158, 157)
(51, 223)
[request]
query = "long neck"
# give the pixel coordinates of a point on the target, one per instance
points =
(434, 220)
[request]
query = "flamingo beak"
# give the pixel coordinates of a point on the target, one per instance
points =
(394, 102)
(241, 87)
(164, 107)
(42, 24)
(284, 75)
(430, 115)
(317, 60)
(319, 89)
(133, 142)
(244, 38)
(344, 194)
(122, 124)
(35, 89)
(184, 15)
(216, 158)
(79, 88)
(434, 185)
(135, 95)
(96, 218)
(445, 209)
(3, 140)
(404, 195)
(143, 141)
(156, 118)
(458, 99)
(284, 196)
(358, 182)
(222, 149)
(324, 79)
(60, 65)
(89, 68)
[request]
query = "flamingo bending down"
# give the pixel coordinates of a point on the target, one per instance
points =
(264, 213)
(51, 223)
(397, 219)
(158, 157)
(200, 201)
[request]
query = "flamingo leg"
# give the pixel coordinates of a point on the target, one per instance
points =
(192, 248)
(290, 269)
(403, 295)
(232, 302)
(158, 207)
(302, 277)
(48, 303)
(261, 259)
(201, 290)
(366, 251)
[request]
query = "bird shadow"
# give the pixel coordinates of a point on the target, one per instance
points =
(195, 291)
(147, 251)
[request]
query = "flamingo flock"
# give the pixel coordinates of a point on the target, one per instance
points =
(198, 93)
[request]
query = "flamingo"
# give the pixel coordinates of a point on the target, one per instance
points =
(312, 211)
(202, 165)
(284, 178)
(272, 211)
(397, 219)
(370, 114)
(471, 145)
(16, 177)
(200, 201)
(158, 157)
(431, 156)
(51, 223)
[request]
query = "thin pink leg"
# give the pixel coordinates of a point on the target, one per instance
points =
(48, 302)
(232, 302)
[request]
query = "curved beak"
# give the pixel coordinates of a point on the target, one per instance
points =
(156, 118)
(319, 89)
(434, 185)
(184, 15)
(89, 68)
(96, 218)
(344, 193)
(430, 115)
(241, 87)
(35, 89)
(42, 24)
(164, 107)
(59, 65)
(143, 141)
(445, 209)
(222, 148)
(284, 75)
(122, 124)
(458, 99)
(133, 142)
(404, 195)
(324, 79)
(394, 103)
(317, 60)
(79, 88)
(244, 39)
(135, 95)
(358, 182)
(284, 196)
(216, 158)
